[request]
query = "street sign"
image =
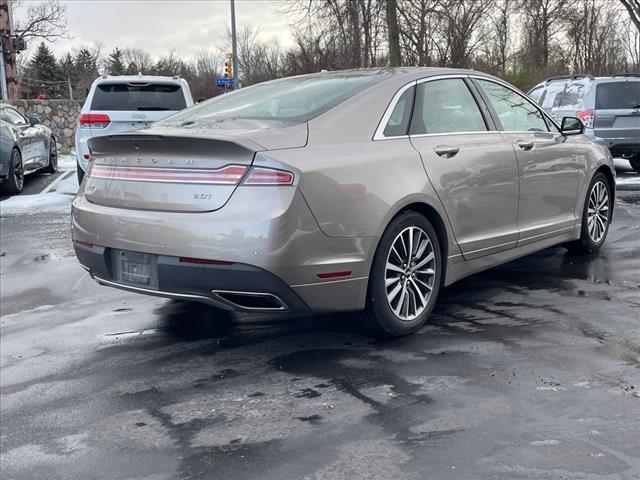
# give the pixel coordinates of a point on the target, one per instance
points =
(221, 82)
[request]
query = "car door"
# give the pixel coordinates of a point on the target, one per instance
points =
(472, 168)
(548, 163)
(31, 143)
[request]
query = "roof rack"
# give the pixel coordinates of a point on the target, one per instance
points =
(626, 75)
(569, 77)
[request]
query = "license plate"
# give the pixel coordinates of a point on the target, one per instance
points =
(134, 267)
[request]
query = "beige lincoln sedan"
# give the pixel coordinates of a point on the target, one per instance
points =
(355, 190)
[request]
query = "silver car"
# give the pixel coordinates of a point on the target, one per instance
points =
(25, 146)
(609, 107)
(358, 190)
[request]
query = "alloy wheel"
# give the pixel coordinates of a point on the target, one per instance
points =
(410, 273)
(53, 155)
(18, 171)
(598, 211)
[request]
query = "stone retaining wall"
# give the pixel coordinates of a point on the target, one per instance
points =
(59, 115)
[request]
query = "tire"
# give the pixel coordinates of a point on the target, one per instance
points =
(594, 232)
(391, 312)
(635, 162)
(14, 183)
(79, 172)
(52, 167)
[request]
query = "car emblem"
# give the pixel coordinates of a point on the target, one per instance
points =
(140, 116)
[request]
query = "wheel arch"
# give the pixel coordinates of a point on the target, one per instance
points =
(435, 218)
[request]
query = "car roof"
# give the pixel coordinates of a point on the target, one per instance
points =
(407, 73)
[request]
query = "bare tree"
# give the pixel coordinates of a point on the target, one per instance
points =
(461, 23)
(393, 33)
(46, 20)
(633, 7)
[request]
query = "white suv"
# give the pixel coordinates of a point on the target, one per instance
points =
(125, 103)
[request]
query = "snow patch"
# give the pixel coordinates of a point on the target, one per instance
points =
(57, 201)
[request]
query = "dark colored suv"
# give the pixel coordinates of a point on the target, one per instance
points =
(609, 107)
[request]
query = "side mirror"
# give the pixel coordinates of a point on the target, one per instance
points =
(34, 121)
(571, 126)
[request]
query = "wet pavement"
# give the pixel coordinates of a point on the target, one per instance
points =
(527, 371)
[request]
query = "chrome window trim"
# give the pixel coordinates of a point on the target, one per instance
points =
(522, 94)
(379, 133)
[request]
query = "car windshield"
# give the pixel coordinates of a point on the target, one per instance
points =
(618, 95)
(290, 99)
(138, 96)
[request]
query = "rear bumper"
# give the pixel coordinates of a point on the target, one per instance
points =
(272, 239)
(231, 287)
(619, 147)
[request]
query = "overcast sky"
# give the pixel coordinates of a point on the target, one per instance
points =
(161, 25)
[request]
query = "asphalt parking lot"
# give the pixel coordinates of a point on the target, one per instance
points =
(527, 371)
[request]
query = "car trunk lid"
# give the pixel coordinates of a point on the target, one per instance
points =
(175, 169)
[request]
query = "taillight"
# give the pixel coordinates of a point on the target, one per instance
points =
(94, 120)
(268, 176)
(587, 116)
(229, 175)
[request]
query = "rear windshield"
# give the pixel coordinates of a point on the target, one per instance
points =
(618, 95)
(138, 96)
(289, 99)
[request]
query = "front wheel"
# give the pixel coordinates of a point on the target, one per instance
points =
(635, 162)
(596, 216)
(405, 277)
(52, 166)
(14, 182)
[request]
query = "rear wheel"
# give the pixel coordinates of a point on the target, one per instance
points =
(595, 217)
(14, 182)
(79, 172)
(405, 277)
(52, 167)
(635, 162)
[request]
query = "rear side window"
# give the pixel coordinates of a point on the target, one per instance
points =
(515, 112)
(573, 95)
(398, 123)
(138, 96)
(552, 99)
(618, 95)
(446, 106)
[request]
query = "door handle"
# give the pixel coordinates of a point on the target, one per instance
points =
(526, 145)
(446, 151)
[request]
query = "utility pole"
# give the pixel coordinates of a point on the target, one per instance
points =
(234, 46)
(10, 83)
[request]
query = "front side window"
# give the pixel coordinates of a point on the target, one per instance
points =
(446, 106)
(515, 112)
(398, 123)
(14, 117)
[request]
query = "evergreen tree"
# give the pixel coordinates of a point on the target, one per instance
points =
(115, 62)
(41, 74)
(69, 72)
(87, 71)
